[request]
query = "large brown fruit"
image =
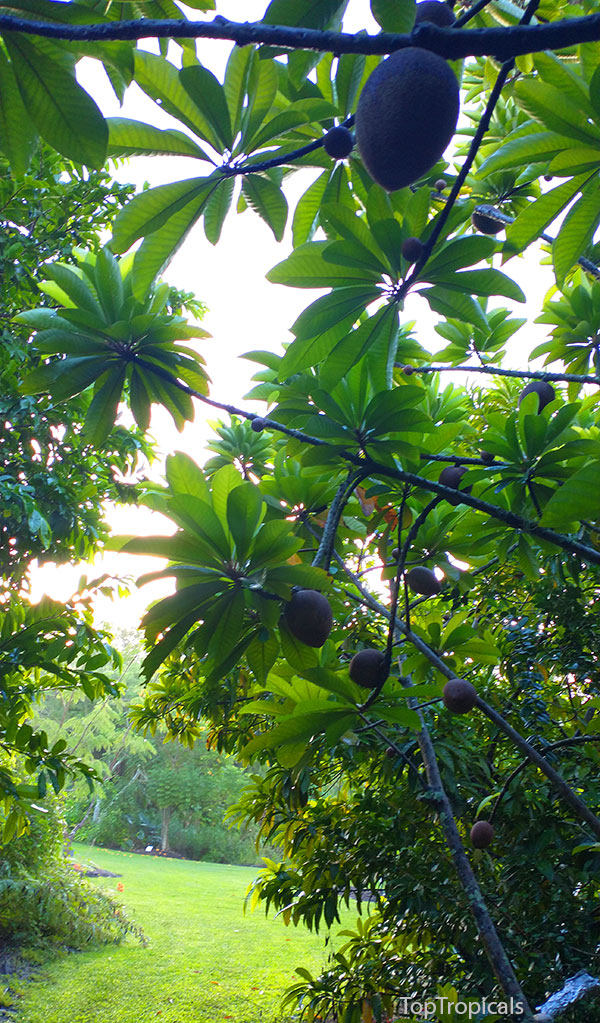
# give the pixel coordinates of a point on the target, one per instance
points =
(459, 696)
(436, 12)
(406, 116)
(309, 618)
(482, 835)
(338, 142)
(366, 668)
(451, 477)
(486, 225)
(544, 391)
(424, 581)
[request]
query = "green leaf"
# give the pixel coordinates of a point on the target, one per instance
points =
(297, 654)
(577, 230)
(245, 510)
(382, 328)
(394, 15)
(459, 253)
(455, 305)
(208, 96)
(109, 284)
(482, 282)
(134, 138)
(307, 13)
(156, 251)
(18, 137)
(261, 655)
(103, 410)
(159, 79)
(306, 214)
(536, 217)
(555, 110)
(149, 211)
(575, 499)
(263, 83)
(235, 82)
(528, 145)
(64, 114)
(217, 208)
(306, 268)
(266, 199)
(185, 477)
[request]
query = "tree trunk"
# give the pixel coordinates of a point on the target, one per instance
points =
(164, 831)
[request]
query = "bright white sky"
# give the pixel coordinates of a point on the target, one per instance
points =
(245, 311)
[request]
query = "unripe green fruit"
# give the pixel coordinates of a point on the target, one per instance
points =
(257, 425)
(413, 249)
(309, 617)
(436, 12)
(459, 696)
(366, 668)
(338, 142)
(482, 835)
(424, 581)
(485, 224)
(406, 116)
(544, 391)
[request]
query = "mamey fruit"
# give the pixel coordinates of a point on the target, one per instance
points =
(482, 834)
(406, 116)
(487, 457)
(366, 668)
(424, 581)
(390, 752)
(485, 224)
(440, 185)
(544, 391)
(409, 370)
(412, 249)
(338, 142)
(451, 477)
(257, 425)
(395, 553)
(459, 696)
(436, 12)
(309, 618)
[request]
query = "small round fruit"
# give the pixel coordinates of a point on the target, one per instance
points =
(486, 225)
(408, 370)
(424, 581)
(459, 696)
(451, 477)
(440, 185)
(436, 12)
(338, 142)
(487, 457)
(413, 249)
(406, 116)
(390, 752)
(367, 667)
(395, 553)
(258, 425)
(544, 391)
(309, 617)
(482, 835)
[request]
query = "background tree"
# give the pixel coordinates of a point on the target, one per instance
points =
(376, 466)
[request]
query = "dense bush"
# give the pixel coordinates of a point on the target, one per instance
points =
(43, 898)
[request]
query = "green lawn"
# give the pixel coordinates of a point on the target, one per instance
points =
(205, 959)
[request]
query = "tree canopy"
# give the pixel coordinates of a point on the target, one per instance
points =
(386, 581)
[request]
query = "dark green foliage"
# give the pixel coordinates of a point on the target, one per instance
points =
(406, 116)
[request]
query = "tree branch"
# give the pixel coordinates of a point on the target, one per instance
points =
(451, 43)
(577, 378)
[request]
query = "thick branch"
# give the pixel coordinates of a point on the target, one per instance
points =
(451, 43)
(577, 378)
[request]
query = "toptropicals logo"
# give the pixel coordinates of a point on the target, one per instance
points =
(473, 1009)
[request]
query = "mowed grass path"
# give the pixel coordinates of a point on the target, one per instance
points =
(205, 960)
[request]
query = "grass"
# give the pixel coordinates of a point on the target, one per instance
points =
(205, 960)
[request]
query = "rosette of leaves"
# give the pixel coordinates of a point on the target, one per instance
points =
(104, 341)
(234, 565)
